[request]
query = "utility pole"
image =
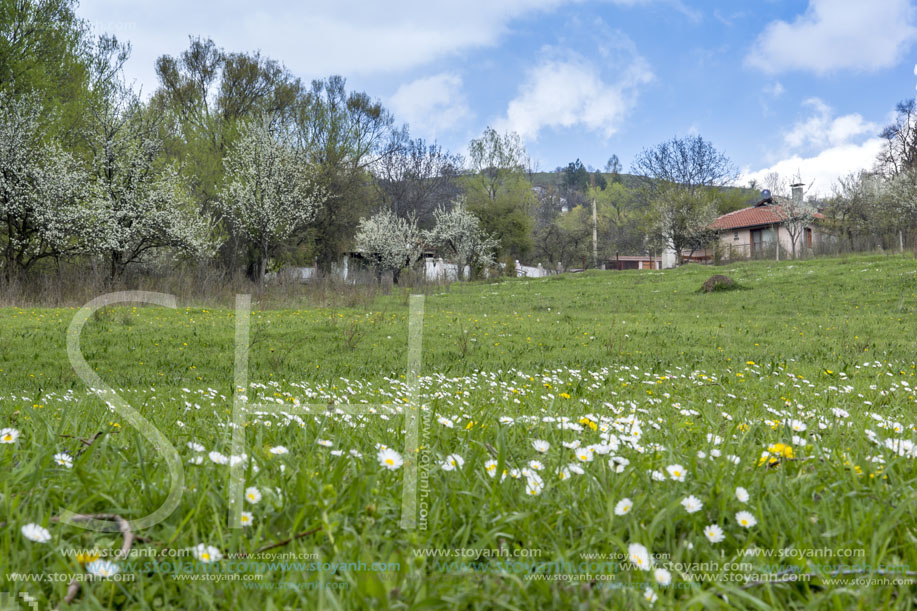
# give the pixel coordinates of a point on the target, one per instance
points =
(595, 227)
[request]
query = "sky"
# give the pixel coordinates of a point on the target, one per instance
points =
(793, 86)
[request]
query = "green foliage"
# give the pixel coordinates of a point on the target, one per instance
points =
(499, 192)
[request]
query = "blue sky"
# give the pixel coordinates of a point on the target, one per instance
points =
(778, 85)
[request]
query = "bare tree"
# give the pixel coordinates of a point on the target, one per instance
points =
(416, 177)
(899, 153)
(683, 173)
(691, 162)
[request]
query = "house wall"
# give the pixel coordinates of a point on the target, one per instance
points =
(736, 243)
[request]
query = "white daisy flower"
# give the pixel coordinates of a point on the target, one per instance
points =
(798, 425)
(491, 467)
(196, 460)
(714, 533)
(692, 504)
(207, 553)
(34, 532)
(742, 494)
(535, 465)
(218, 458)
(531, 475)
(623, 507)
(193, 445)
(663, 576)
(246, 518)
(103, 568)
(618, 463)
(657, 476)
(390, 459)
(572, 445)
(533, 487)
(337, 452)
(452, 462)
(733, 459)
(584, 454)
(676, 472)
(324, 443)
(639, 556)
(445, 421)
(9, 435)
(745, 519)
(650, 595)
(252, 495)
(541, 445)
(575, 468)
(278, 450)
(64, 460)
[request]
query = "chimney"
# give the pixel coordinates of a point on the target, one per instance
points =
(797, 193)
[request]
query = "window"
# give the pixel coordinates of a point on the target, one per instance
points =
(808, 237)
(735, 235)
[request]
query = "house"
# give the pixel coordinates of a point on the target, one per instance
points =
(622, 262)
(755, 231)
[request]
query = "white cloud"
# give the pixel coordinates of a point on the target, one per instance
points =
(431, 105)
(823, 169)
(571, 91)
(824, 147)
(315, 39)
(823, 130)
(838, 34)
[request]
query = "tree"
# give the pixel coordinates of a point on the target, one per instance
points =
(685, 174)
(690, 162)
(41, 188)
(899, 153)
(345, 135)
(576, 178)
(901, 192)
(459, 235)
(681, 218)
(853, 211)
(137, 204)
(389, 242)
(498, 190)
(48, 52)
(416, 176)
(613, 166)
(206, 94)
(268, 194)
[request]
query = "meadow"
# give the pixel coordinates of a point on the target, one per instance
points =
(594, 440)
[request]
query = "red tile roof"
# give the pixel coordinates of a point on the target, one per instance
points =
(751, 217)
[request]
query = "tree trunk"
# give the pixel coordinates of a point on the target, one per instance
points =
(262, 265)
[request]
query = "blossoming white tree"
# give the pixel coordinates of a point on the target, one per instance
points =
(136, 204)
(459, 235)
(389, 242)
(40, 189)
(268, 193)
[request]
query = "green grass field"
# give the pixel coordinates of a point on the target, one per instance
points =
(565, 423)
